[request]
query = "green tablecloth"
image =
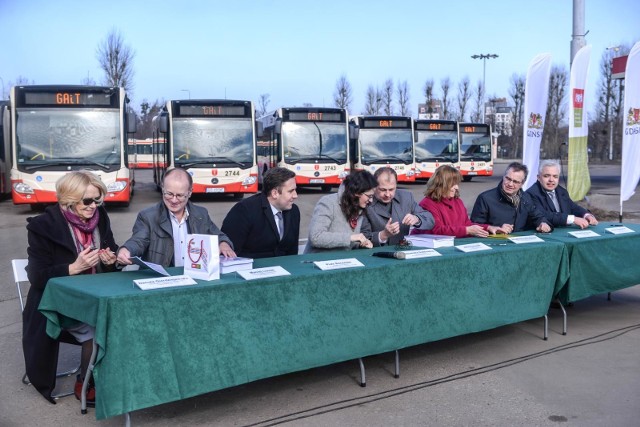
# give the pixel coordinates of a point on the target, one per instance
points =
(599, 264)
(164, 345)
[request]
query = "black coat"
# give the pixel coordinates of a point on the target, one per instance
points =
(252, 229)
(567, 206)
(51, 250)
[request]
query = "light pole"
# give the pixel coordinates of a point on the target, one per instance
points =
(188, 92)
(615, 50)
(2, 95)
(484, 57)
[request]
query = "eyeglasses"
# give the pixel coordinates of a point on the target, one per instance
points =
(369, 196)
(169, 195)
(87, 201)
(513, 181)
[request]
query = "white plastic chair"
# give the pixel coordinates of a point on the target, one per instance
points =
(21, 279)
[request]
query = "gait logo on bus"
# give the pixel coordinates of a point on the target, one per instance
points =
(535, 122)
(214, 172)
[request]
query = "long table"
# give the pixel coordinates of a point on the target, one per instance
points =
(600, 264)
(164, 345)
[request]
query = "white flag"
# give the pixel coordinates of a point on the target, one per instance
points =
(631, 125)
(535, 107)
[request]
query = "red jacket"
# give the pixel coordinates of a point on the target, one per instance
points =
(450, 216)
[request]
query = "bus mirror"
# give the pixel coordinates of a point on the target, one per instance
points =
(163, 124)
(132, 121)
(354, 131)
(277, 128)
(259, 130)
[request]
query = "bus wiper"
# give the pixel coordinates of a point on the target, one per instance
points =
(209, 161)
(317, 157)
(68, 162)
(390, 159)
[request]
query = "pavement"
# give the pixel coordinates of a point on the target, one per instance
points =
(507, 376)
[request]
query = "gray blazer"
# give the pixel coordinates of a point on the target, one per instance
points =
(152, 237)
(329, 228)
(376, 217)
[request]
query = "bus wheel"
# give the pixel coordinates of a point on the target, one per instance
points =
(466, 178)
(325, 188)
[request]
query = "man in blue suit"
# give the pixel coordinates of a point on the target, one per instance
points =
(266, 224)
(554, 201)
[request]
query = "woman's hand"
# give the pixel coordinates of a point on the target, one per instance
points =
(477, 231)
(107, 256)
(88, 258)
(363, 242)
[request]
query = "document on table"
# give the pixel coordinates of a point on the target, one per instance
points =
(164, 282)
(155, 267)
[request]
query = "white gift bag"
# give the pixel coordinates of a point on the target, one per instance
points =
(202, 260)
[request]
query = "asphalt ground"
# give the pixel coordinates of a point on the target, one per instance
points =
(502, 377)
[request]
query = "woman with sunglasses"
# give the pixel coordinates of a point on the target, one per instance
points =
(69, 238)
(336, 220)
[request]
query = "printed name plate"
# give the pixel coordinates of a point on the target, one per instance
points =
(264, 272)
(619, 230)
(584, 233)
(164, 282)
(336, 264)
(473, 247)
(526, 239)
(421, 253)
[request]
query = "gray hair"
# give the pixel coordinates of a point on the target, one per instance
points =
(549, 163)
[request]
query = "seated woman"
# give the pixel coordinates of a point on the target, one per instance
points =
(442, 199)
(336, 220)
(69, 238)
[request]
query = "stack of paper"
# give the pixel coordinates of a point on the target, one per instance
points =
(229, 265)
(430, 240)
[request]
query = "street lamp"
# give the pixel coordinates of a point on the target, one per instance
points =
(484, 58)
(615, 50)
(188, 92)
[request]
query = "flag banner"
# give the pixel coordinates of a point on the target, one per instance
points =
(631, 127)
(536, 91)
(578, 179)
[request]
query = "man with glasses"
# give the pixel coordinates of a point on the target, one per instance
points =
(554, 201)
(507, 206)
(392, 213)
(160, 231)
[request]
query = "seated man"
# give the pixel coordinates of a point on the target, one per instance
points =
(389, 218)
(160, 231)
(507, 206)
(554, 201)
(266, 224)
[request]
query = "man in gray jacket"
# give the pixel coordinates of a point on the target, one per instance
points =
(393, 212)
(160, 231)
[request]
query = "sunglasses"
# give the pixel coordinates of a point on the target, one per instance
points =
(89, 200)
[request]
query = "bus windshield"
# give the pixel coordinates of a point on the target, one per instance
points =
(432, 146)
(48, 137)
(304, 141)
(475, 147)
(384, 145)
(212, 141)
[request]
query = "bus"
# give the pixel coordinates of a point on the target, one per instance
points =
(476, 155)
(383, 141)
(312, 142)
(5, 154)
(436, 143)
(55, 129)
(141, 152)
(213, 140)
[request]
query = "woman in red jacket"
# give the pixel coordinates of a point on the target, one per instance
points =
(442, 199)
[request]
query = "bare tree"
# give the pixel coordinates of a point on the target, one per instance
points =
(402, 89)
(342, 97)
(445, 85)
(477, 115)
(116, 60)
(147, 113)
(516, 92)
(263, 104)
(556, 111)
(379, 100)
(307, 104)
(387, 97)
(428, 96)
(88, 81)
(370, 101)
(464, 95)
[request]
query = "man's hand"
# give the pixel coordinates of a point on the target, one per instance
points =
(410, 220)
(544, 228)
(592, 219)
(390, 229)
(581, 222)
(123, 256)
(226, 250)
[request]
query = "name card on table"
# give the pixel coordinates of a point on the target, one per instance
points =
(584, 233)
(263, 273)
(526, 239)
(421, 253)
(473, 247)
(164, 282)
(336, 264)
(619, 230)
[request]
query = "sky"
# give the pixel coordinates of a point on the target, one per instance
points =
(296, 51)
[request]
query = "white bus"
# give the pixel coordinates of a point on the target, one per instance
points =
(436, 143)
(62, 128)
(476, 155)
(312, 142)
(5, 153)
(383, 141)
(213, 140)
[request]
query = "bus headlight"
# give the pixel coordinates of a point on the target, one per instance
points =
(114, 187)
(250, 180)
(342, 175)
(22, 188)
(410, 172)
